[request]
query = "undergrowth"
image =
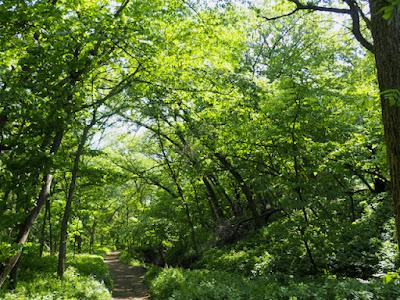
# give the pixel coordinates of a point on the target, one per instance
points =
(86, 277)
(175, 283)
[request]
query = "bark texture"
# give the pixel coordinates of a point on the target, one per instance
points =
(26, 226)
(386, 36)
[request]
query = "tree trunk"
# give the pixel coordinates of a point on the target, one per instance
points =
(3, 203)
(213, 201)
(258, 222)
(92, 236)
(386, 36)
(308, 249)
(43, 230)
(232, 205)
(181, 195)
(71, 191)
(14, 276)
(27, 226)
(50, 227)
(78, 243)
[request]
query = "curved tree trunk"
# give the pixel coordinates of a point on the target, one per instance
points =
(26, 226)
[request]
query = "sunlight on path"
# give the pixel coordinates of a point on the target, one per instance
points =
(128, 281)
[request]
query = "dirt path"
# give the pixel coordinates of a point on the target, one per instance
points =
(128, 281)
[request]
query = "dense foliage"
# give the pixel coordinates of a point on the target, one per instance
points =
(242, 152)
(86, 277)
(204, 284)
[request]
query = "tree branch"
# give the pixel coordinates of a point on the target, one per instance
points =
(308, 6)
(118, 88)
(354, 11)
(363, 15)
(355, 17)
(281, 16)
(121, 8)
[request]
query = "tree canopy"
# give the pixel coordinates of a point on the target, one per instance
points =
(242, 139)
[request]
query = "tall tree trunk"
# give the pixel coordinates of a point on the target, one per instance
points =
(26, 226)
(386, 36)
(180, 193)
(70, 196)
(48, 205)
(46, 219)
(14, 276)
(43, 230)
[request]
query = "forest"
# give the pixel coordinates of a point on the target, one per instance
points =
(210, 149)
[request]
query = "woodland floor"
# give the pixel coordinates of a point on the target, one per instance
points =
(128, 280)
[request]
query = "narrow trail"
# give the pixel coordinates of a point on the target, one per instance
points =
(128, 281)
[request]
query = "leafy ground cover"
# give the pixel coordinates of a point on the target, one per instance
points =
(197, 134)
(176, 283)
(273, 264)
(86, 277)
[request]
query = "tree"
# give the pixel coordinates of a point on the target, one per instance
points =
(386, 48)
(71, 191)
(56, 76)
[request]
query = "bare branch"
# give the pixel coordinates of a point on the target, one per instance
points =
(355, 17)
(363, 15)
(308, 6)
(281, 16)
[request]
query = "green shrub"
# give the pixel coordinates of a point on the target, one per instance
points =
(130, 260)
(91, 265)
(203, 284)
(31, 264)
(248, 257)
(356, 249)
(124, 257)
(48, 286)
(103, 251)
(83, 278)
(152, 272)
